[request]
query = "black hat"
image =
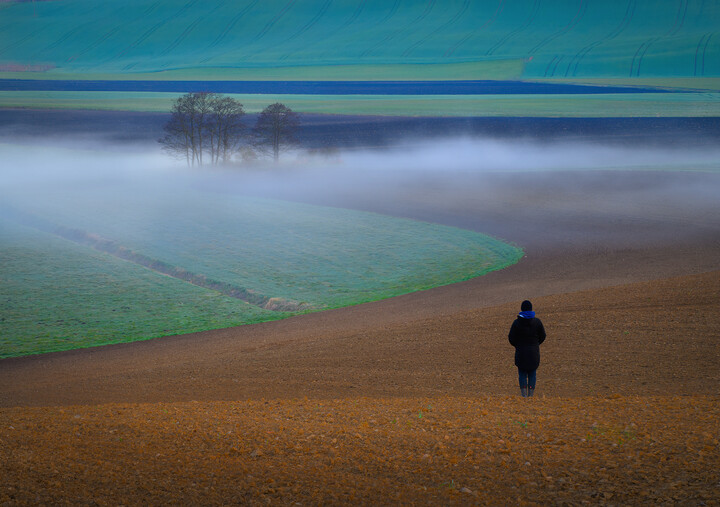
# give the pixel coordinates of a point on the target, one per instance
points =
(526, 306)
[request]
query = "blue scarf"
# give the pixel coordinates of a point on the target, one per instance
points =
(526, 315)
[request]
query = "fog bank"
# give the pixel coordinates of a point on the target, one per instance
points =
(527, 191)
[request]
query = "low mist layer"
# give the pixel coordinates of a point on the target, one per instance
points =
(567, 178)
(69, 159)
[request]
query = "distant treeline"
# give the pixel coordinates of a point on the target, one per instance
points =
(207, 128)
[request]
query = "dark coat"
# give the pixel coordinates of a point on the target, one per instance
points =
(526, 335)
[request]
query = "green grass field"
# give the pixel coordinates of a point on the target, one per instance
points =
(57, 294)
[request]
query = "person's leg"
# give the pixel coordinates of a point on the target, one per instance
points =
(523, 379)
(532, 378)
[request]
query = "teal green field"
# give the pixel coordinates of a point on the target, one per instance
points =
(60, 293)
(364, 39)
(670, 44)
(616, 105)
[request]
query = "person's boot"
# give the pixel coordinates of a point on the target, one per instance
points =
(530, 391)
(524, 392)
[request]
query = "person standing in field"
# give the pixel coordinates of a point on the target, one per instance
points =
(526, 335)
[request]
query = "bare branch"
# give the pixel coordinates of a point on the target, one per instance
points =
(275, 128)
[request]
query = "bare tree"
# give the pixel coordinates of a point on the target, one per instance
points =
(225, 127)
(200, 103)
(204, 123)
(275, 127)
(181, 130)
(177, 140)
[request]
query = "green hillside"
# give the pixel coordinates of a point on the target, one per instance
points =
(57, 295)
(109, 261)
(362, 39)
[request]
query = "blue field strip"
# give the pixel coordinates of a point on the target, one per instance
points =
(322, 87)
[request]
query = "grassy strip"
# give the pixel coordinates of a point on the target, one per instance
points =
(581, 106)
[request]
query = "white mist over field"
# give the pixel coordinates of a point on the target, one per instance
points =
(483, 155)
(546, 171)
(538, 195)
(60, 161)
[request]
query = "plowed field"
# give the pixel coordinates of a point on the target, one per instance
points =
(479, 449)
(413, 399)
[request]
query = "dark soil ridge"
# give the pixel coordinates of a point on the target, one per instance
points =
(366, 131)
(115, 249)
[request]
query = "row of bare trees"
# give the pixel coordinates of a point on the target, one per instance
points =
(207, 128)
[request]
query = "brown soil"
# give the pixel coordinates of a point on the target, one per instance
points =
(413, 399)
(482, 449)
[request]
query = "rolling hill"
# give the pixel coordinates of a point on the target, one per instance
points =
(361, 40)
